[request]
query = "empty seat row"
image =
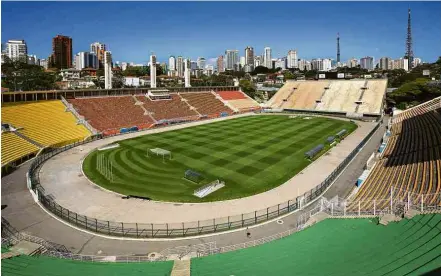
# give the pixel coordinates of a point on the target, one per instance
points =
(45, 122)
(105, 113)
(14, 148)
(410, 164)
(206, 103)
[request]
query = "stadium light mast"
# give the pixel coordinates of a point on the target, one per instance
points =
(409, 50)
(153, 70)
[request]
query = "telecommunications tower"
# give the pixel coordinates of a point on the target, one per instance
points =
(409, 51)
(338, 48)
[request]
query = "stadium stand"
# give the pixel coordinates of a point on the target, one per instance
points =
(231, 95)
(45, 122)
(278, 99)
(341, 96)
(373, 97)
(239, 100)
(28, 265)
(332, 96)
(15, 148)
(168, 109)
(338, 247)
(411, 161)
(306, 95)
(106, 113)
(206, 103)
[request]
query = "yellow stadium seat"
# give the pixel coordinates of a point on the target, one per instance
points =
(45, 122)
(14, 148)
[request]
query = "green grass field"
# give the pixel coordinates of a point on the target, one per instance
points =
(251, 154)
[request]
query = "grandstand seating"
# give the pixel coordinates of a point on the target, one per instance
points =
(168, 109)
(14, 148)
(45, 122)
(338, 247)
(278, 99)
(411, 161)
(238, 100)
(334, 96)
(231, 95)
(306, 94)
(27, 265)
(341, 96)
(373, 97)
(206, 103)
(106, 113)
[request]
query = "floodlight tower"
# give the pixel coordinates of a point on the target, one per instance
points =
(153, 70)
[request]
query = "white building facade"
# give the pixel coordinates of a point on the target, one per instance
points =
(267, 60)
(292, 59)
(17, 50)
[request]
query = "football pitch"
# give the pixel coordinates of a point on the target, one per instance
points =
(251, 154)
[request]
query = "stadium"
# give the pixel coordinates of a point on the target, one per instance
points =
(206, 181)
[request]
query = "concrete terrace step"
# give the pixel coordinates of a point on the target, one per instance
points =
(9, 254)
(181, 268)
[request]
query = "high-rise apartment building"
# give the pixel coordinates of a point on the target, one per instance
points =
(172, 66)
(249, 56)
(86, 60)
(321, 64)
(384, 63)
(280, 63)
(367, 63)
(180, 66)
(232, 60)
(220, 64)
(267, 61)
(292, 59)
(107, 70)
(352, 63)
(304, 65)
(242, 62)
(201, 63)
(257, 61)
(98, 48)
(43, 63)
(416, 62)
(172, 63)
(32, 59)
(17, 50)
(61, 57)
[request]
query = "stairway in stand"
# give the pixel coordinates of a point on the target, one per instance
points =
(181, 268)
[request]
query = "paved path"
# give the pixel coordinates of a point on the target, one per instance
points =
(62, 178)
(25, 215)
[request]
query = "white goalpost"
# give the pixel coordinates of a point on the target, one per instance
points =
(105, 167)
(162, 152)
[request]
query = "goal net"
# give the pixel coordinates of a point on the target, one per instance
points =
(160, 152)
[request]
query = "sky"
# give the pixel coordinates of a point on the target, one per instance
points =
(133, 30)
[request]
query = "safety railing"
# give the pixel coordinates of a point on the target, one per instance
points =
(170, 230)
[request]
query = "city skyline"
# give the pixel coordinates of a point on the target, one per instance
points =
(321, 45)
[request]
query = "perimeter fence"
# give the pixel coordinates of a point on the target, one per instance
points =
(173, 230)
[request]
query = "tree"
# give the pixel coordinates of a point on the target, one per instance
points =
(413, 93)
(288, 75)
(20, 76)
(247, 87)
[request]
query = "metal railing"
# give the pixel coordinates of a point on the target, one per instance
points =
(170, 230)
(80, 118)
